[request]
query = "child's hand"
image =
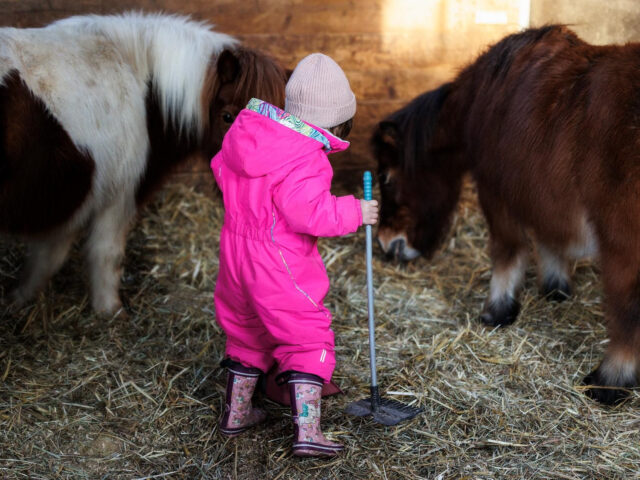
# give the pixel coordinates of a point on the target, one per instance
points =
(369, 211)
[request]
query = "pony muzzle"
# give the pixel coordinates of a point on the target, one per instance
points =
(398, 248)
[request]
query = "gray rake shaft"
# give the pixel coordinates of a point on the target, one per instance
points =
(385, 411)
(372, 335)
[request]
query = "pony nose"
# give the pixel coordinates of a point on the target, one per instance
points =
(387, 245)
(392, 248)
(396, 247)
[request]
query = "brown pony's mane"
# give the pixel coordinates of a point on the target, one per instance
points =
(412, 131)
(498, 59)
(261, 75)
(417, 122)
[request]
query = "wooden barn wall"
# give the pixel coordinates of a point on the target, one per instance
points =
(597, 21)
(391, 50)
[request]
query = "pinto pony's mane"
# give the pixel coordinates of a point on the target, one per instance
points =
(260, 75)
(172, 52)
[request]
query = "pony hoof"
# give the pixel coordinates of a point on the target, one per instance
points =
(501, 314)
(603, 393)
(556, 289)
(111, 310)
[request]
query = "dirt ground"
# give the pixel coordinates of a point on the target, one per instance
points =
(138, 396)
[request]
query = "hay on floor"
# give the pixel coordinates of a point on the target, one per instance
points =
(82, 397)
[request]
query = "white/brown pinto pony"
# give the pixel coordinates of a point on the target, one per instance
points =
(94, 113)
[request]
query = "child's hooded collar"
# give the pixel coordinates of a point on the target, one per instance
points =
(291, 121)
(264, 138)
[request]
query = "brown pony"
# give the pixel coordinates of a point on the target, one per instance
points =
(95, 111)
(549, 128)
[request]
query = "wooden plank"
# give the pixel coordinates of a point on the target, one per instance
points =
(397, 84)
(369, 113)
(296, 19)
(371, 50)
(359, 50)
(595, 21)
(94, 6)
(20, 6)
(39, 19)
(441, 16)
(119, 6)
(227, 6)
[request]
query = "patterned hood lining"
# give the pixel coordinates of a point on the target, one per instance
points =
(288, 120)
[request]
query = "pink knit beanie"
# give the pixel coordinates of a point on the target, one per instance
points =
(318, 92)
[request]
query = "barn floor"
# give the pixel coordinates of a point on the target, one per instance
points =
(82, 397)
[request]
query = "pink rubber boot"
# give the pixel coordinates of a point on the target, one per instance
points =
(239, 415)
(306, 391)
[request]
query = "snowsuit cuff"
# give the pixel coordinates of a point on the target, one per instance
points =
(351, 211)
(359, 210)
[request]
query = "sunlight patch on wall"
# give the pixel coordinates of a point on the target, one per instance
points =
(491, 17)
(430, 40)
(404, 15)
(449, 28)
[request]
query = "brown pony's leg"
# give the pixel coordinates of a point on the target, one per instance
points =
(554, 272)
(509, 256)
(621, 278)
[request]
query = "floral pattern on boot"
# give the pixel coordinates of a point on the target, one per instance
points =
(239, 414)
(309, 440)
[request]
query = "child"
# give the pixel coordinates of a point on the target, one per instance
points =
(275, 177)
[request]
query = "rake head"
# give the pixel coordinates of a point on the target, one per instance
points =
(383, 410)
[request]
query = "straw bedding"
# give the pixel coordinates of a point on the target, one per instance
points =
(137, 396)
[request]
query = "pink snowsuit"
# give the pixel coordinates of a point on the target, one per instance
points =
(275, 178)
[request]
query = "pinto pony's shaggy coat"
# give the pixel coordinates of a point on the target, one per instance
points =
(94, 112)
(549, 127)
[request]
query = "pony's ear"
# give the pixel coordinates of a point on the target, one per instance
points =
(389, 133)
(228, 66)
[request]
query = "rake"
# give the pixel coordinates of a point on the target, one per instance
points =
(383, 410)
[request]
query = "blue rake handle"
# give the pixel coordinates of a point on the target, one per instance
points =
(375, 395)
